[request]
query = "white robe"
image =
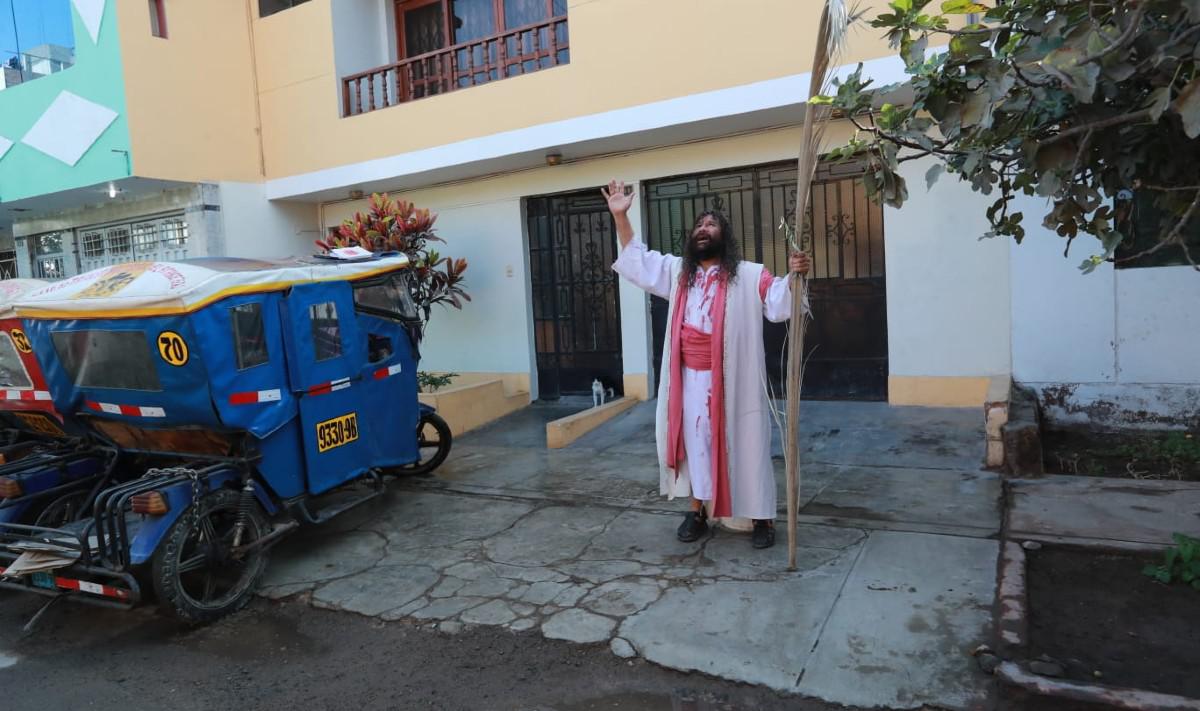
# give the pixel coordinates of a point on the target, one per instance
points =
(753, 490)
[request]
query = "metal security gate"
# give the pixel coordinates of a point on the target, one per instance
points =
(576, 315)
(846, 341)
(146, 240)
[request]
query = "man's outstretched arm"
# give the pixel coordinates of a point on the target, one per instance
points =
(644, 268)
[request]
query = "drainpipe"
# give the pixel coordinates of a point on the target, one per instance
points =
(258, 127)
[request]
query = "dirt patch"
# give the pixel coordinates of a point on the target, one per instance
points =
(1128, 455)
(1097, 612)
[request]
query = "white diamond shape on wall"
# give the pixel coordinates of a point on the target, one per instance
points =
(69, 127)
(91, 12)
(5, 144)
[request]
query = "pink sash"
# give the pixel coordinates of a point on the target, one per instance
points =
(720, 506)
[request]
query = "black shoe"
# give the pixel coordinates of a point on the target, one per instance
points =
(764, 534)
(695, 524)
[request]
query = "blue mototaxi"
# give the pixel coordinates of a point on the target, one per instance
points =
(48, 471)
(254, 387)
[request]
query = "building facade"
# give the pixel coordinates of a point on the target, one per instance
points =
(505, 117)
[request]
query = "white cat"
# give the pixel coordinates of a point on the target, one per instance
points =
(599, 392)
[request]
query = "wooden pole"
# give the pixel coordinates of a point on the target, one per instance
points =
(829, 39)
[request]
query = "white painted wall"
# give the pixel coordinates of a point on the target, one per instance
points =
(254, 227)
(948, 291)
(482, 222)
(363, 36)
(1118, 347)
(1063, 325)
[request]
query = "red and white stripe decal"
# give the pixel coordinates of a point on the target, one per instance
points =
(128, 410)
(256, 396)
(385, 372)
(88, 587)
(331, 386)
(26, 395)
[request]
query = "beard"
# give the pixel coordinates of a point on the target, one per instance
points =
(710, 250)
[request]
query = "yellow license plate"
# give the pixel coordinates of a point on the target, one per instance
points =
(337, 431)
(38, 422)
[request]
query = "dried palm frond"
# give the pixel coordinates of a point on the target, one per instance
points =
(831, 40)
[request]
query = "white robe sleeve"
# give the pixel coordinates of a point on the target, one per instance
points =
(645, 268)
(777, 303)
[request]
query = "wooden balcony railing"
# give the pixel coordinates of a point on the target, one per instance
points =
(513, 52)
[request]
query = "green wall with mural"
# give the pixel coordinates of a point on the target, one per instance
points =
(97, 79)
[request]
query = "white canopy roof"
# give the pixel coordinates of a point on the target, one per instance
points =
(138, 289)
(12, 290)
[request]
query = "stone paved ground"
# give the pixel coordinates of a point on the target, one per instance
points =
(896, 570)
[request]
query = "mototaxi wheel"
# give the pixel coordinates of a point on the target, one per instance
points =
(195, 576)
(433, 444)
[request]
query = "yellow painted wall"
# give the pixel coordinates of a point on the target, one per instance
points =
(623, 53)
(191, 96)
(938, 391)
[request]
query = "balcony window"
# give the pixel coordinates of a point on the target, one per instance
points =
(445, 45)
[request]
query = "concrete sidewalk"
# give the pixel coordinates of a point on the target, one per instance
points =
(1100, 511)
(896, 568)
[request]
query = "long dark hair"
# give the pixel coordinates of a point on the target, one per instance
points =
(731, 254)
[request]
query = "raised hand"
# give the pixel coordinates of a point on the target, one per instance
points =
(618, 202)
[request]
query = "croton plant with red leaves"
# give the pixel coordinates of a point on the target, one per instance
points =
(399, 226)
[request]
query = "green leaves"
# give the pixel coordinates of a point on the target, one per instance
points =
(1188, 108)
(931, 176)
(969, 47)
(1181, 563)
(1159, 101)
(962, 7)
(913, 51)
(1067, 63)
(1049, 97)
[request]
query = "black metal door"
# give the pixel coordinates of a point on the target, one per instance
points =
(576, 314)
(846, 341)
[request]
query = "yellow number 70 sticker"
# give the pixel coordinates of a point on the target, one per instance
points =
(172, 348)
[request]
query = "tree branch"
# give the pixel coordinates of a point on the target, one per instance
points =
(1164, 189)
(1096, 125)
(1175, 236)
(980, 31)
(1125, 36)
(1083, 147)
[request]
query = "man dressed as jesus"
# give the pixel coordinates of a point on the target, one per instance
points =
(713, 423)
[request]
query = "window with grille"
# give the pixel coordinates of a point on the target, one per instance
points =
(148, 239)
(118, 241)
(93, 244)
(49, 260)
(145, 238)
(174, 232)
